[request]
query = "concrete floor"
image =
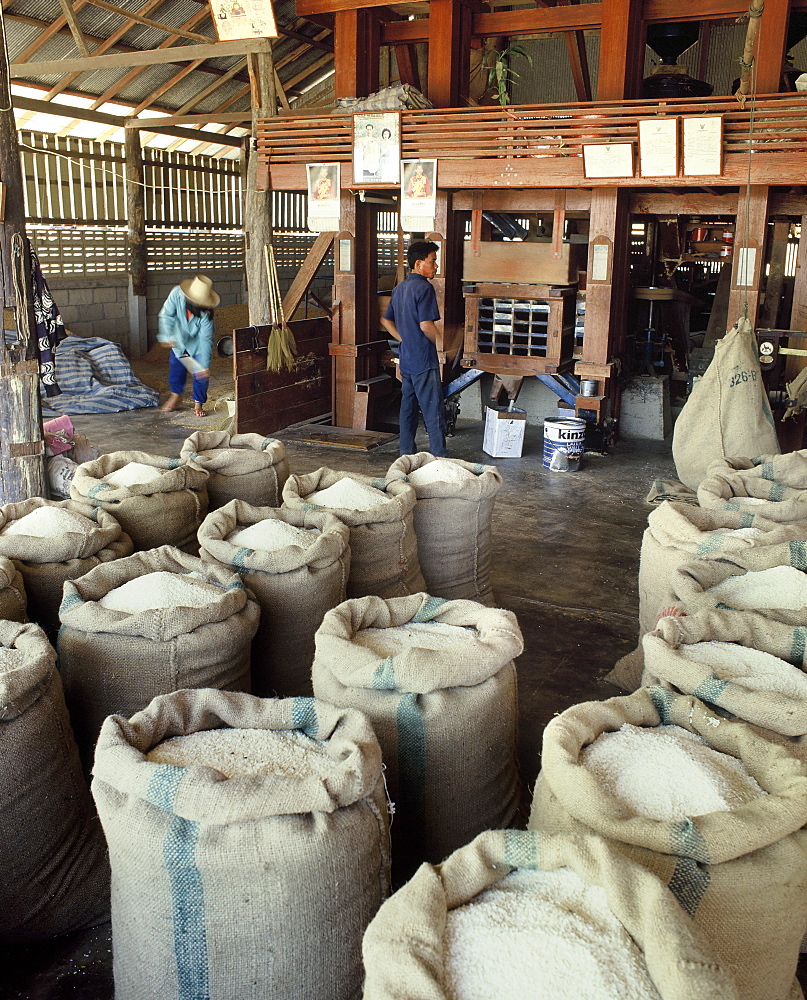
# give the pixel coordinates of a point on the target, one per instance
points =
(566, 555)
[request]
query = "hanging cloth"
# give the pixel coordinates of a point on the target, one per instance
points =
(49, 326)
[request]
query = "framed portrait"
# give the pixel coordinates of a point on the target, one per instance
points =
(323, 197)
(418, 194)
(377, 148)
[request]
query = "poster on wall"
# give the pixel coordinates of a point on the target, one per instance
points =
(323, 197)
(703, 146)
(608, 160)
(418, 195)
(377, 148)
(243, 19)
(658, 147)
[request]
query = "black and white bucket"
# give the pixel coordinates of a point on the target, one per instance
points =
(564, 443)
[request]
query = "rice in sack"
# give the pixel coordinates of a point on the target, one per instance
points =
(246, 467)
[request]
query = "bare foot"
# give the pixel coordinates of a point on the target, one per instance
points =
(171, 403)
(198, 410)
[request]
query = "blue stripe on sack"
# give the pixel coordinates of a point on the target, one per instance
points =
(174, 463)
(662, 702)
(70, 602)
(767, 471)
(777, 493)
(312, 506)
(429, 609)
(521, 848)
(304, 716)
(720, 606)
(711, 544)
(238, 559)
(267, 441)
(412, 756)
(798, 555)
(478, 469)
(799, 645)
(728, 505)
(93, 515)
(187, 892)
(711, 689)
(234, 585)
(688, 884)
(94, 490)
(748, 520)
(686, 841)
(379, 484)
(384, 676)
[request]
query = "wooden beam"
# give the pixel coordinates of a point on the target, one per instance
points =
(771, 42)
(407, 59)
(449, 48)
(281, 94)
(798, 312)
(356, 48)
(47, 33)
(153, 124)
(149, 101)
(307, 273)
(148, 21)
(622, 45)
(148, 57)
(75, 27)
(769, 309)
(313, 40)
(606, 288)
(578, 60)
(85, 114)
(752, 219)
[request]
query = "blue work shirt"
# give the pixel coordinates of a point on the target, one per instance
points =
(413, 302)
(191, 334)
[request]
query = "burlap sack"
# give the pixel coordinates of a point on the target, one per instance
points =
(746, 697)
(678, 534)
(256, 887)
(55, 876)
(383, 544)
(404, 945)
(166, 511)
(246, 467)
(294, 587)
(13, 602)
(727, 412)
(45, 563)
(114, 662)
(740, 875)
(453, 528)
(778, 480)
(446, 721)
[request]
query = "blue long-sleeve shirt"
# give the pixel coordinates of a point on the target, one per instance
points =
(193, 334)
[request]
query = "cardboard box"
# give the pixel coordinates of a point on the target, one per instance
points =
(504, 432)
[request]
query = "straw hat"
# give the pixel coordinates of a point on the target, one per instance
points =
(199, 291)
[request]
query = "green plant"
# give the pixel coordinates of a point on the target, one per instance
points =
(500, 71)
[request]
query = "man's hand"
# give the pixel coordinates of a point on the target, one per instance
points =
(391, 328)
(431, 331)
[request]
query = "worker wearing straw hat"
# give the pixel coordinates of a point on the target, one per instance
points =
(186, 324)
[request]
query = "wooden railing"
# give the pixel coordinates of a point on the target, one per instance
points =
(774, 124)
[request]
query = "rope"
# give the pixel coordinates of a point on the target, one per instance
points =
(7, 80)
(20, 300)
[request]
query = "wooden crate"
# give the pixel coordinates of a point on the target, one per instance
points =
(527, 263)
(519, 329)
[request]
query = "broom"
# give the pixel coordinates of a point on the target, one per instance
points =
(281, 348)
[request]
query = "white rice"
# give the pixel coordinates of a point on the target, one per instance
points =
(386, 642)
(348, 494)
(234, 752)
(272, 534)
(781, 587)
(668, 773)
(133, 474)
(49, 522)
(161, 590)
(542, 936)
(442, 470)
(755, 669)
(10, 659)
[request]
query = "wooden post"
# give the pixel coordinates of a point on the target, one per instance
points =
(622, 43)
(357, 44)
(449, 53)
(22, 452)
(448, 283)
(749, 249)
(136, 240)
(770, 46)
(258, 197)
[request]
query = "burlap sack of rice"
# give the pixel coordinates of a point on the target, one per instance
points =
(116, 662)
(705, 655)
(678, 534)
(740, 875)
(294, 587)
(13, 601)
(46, 562)
(255, 887)
(405, 952)
(771, 486)
(246, 467)
(383, 545)
(165, 511)
(55, 875)
(453, 527)
(445, 718)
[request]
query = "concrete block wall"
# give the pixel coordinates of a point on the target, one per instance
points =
(94, 306)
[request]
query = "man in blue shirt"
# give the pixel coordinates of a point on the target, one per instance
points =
(410, 319)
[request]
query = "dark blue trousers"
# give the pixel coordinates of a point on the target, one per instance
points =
(178, 376)
(423, 391)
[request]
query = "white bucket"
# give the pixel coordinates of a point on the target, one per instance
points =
(564, 443)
